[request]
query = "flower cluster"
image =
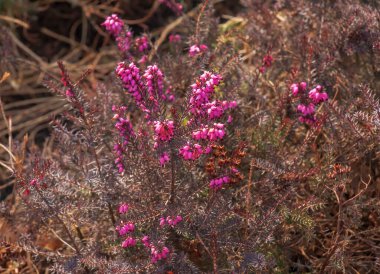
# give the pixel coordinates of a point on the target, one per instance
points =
(174, 38)
(215, 109)
(125, 228)
(267, 63)
(317, 95)
(211, 134)
(124, 37)
(164, 130)
(156, 255)
(164, 158)
(128, 242)
(148, 89)
(170, 221)
(309, 101)
(191, 152)
(201, 108)
(124, 41)
(113, 24)
(154, 83)
(130, 76)
(142, 43)
(217, 183)
(125, 130)
(298, 88)
(202, 90)
(197, 49)
(123, 208)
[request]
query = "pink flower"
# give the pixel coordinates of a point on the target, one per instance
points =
(124, 127)
(203, 48)
(171, 221)
(154, 81)
(195, 50)
(162, 221)
(303, 86)
(113, 24)
(123, 208)
(164, 158)
(124, 41)
(317, 96)
(164, 130)
(69, 93)
(33, 182)
(130, 76)
(146, 241)
(212, 134)
(174, 38)
(142, 43)
(143, 59)
(191, 152)
(219, 182)
(267, 62)
(178, 219)
(306, 110)
(202, 90)
(294, 88)
(165, 252)
(310, 120)
(129, 227)
(298, 88)
(128, 242)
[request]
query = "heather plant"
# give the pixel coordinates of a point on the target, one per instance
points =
(222, 152)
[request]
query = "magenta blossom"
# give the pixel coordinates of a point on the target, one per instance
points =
(164, 158)
(156, 255)
(219, 182)
(317, 96)
(191, 152)
(298, 88)
(197, 49)
(306, 110)
(124, 41)
(128, 242)
(129, 227)
(130, 76)
(212, 134)
(123, 208)
(113, 24)
(164, 130)
(142, 43)
(174, 38)
(146, 241)
(170, 221)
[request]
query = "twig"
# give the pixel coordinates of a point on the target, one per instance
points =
(248, 199)
(76, 248)
(167, 30)
(197, 29)
(27, 50)
(63, 38)
(15, 20)
(360, 192)
(7, 167)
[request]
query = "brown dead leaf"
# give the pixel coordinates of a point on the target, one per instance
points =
(5, 76)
